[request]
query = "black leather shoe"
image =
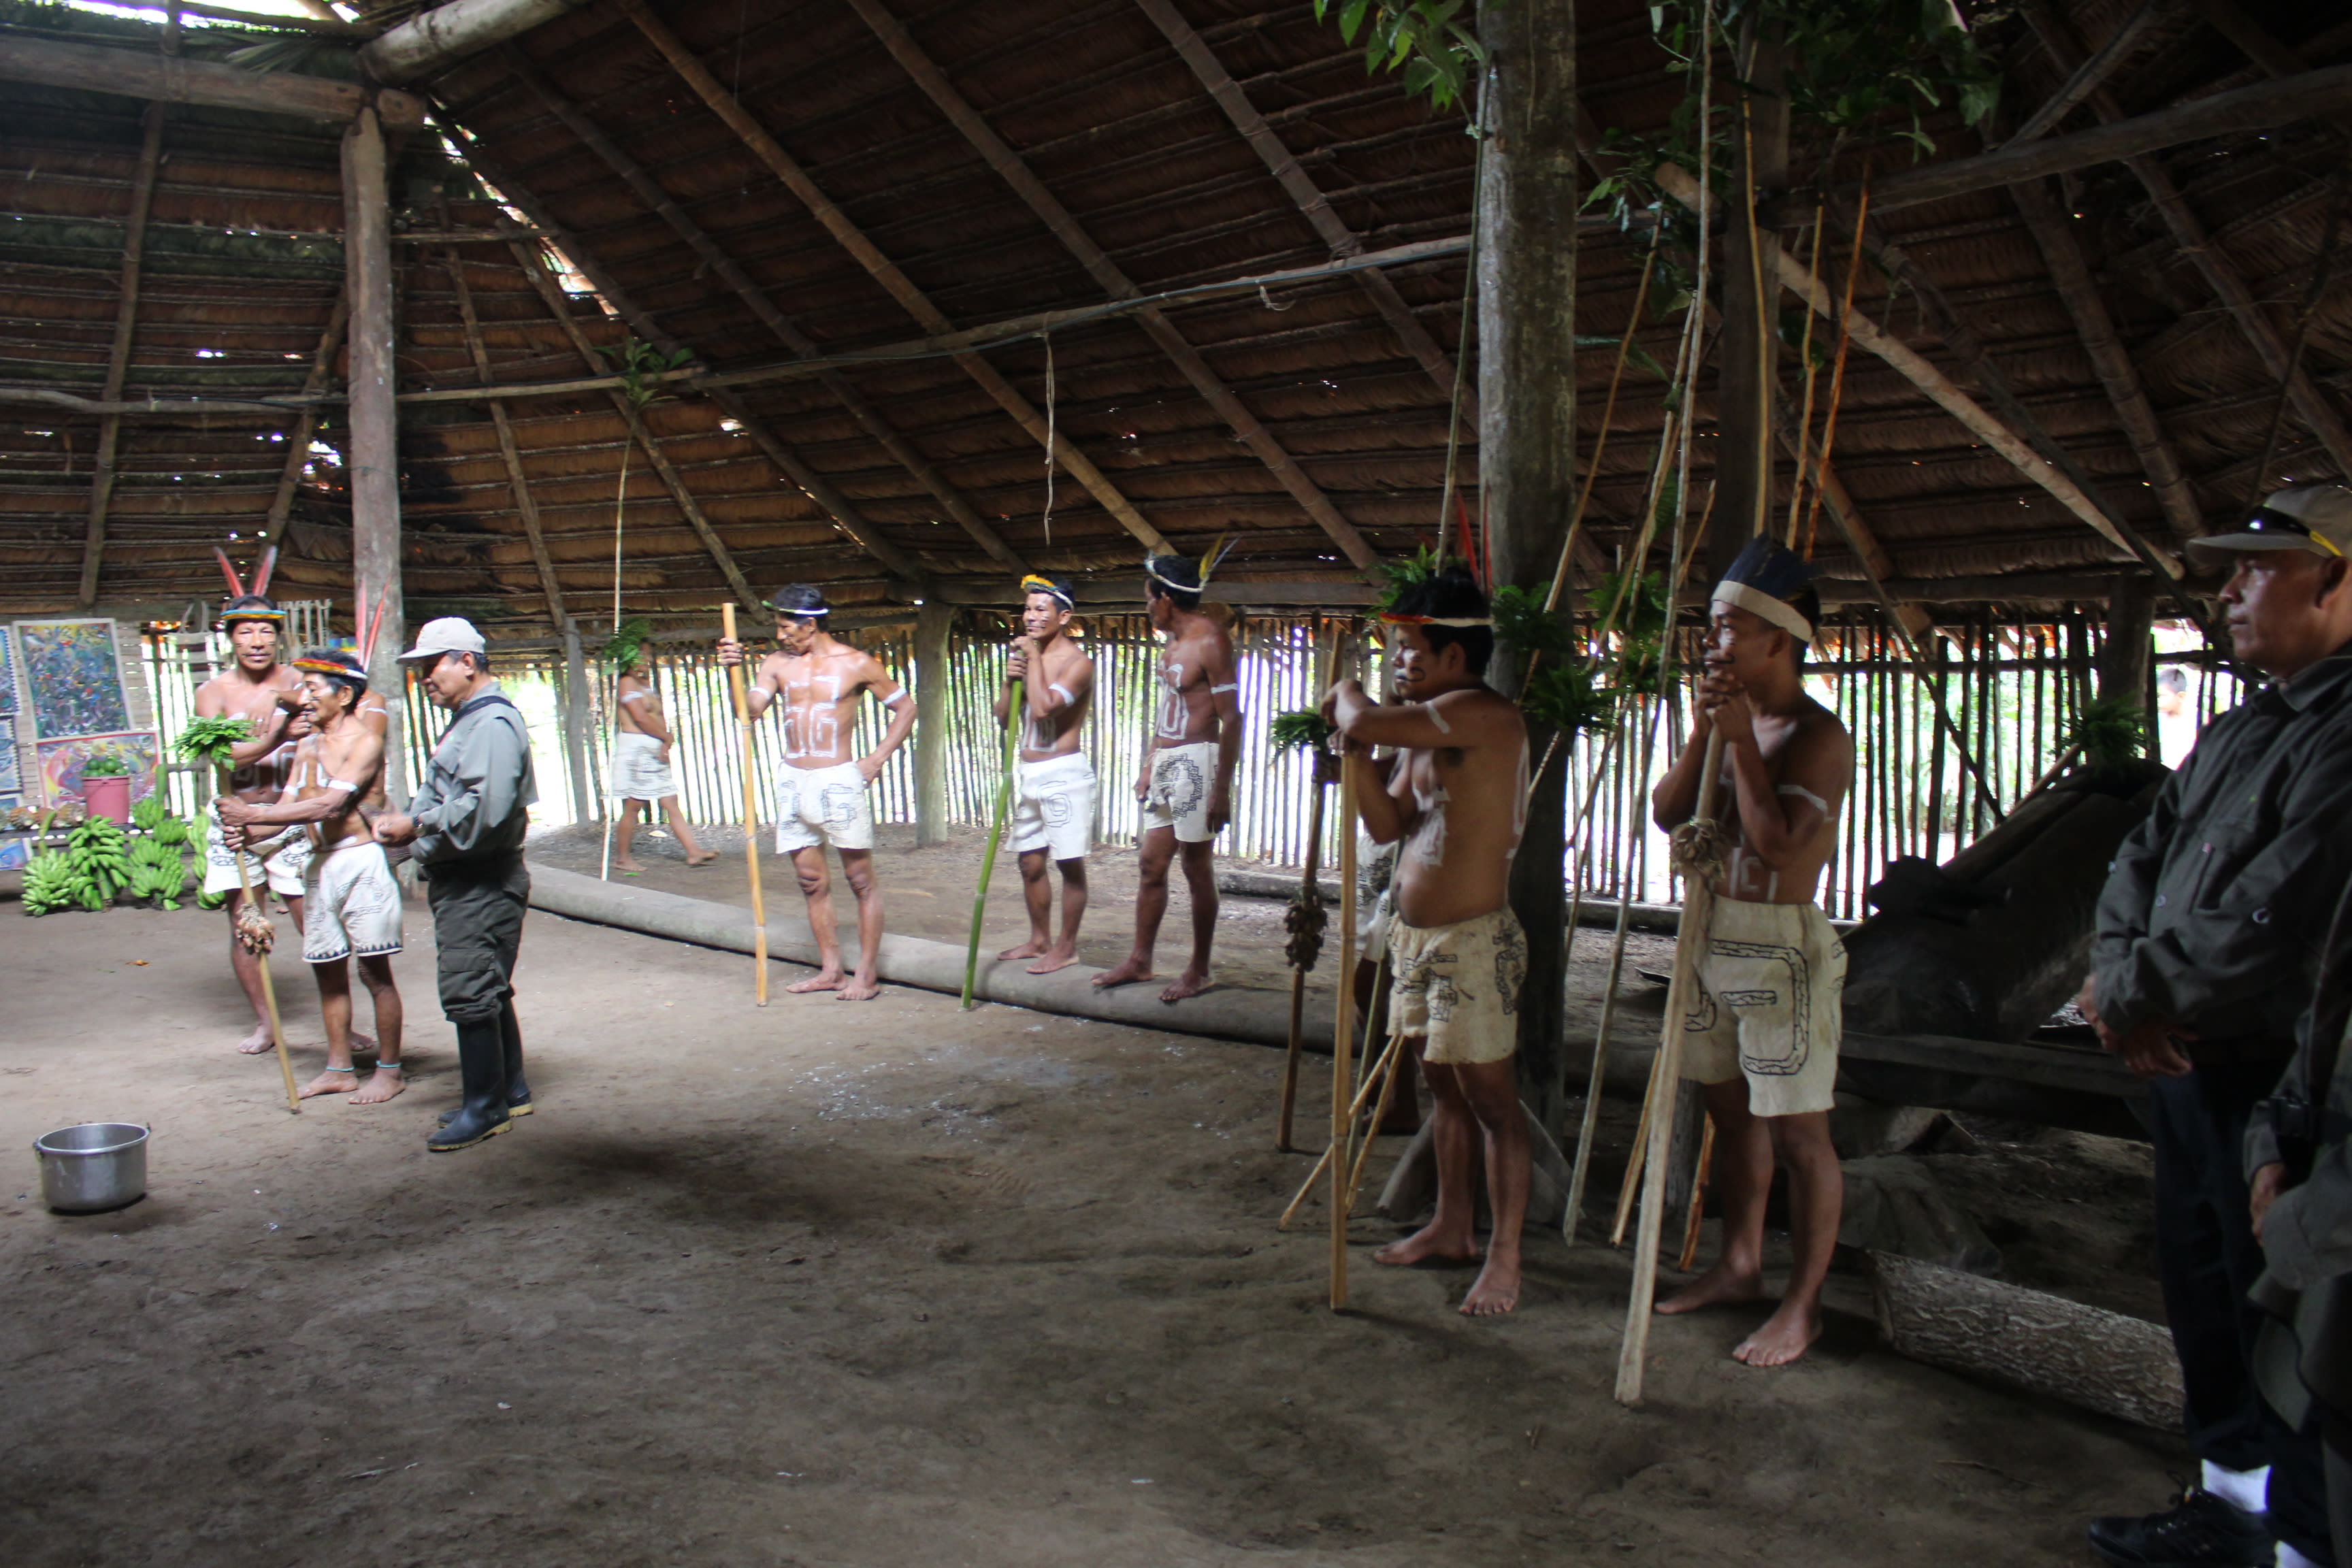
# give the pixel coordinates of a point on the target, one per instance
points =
(2201, 1530)
(482, 1071)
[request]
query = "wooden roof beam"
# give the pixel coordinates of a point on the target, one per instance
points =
(885, 271)
(306, 421)
(2319, 416)
(2092, 74)
(1308, 197)
(782, 327)
(162, 78)
(2079, 291)
(1065, 227)
(118, 358)
(433, 40)
(517, 480)
(2307, 95)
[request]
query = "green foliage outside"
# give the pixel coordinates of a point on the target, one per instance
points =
(1437, 51)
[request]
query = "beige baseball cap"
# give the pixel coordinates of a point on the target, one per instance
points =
(448, 635)
(2317, 519)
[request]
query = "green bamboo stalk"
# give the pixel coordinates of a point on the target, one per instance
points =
(1014, 710)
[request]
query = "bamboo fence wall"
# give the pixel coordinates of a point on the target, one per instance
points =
(2012, 687)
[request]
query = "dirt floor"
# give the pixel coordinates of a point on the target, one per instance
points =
(887, 1284)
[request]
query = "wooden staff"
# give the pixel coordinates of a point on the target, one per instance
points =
(261, 957)
(1307, 888)
(1658, 1124)
(1014, 706)
(1343, 1033)
(1374, 1079)
(750, 811)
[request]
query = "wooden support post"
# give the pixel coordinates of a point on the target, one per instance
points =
(884, 271)
(934, 623)
(1526, 435)
(2128, 653)
(372, 454)
(576, 738)
(117, 359)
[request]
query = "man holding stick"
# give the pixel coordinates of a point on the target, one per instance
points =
(821, 798)
(267, 695)
(1054, 792)
(2209, 933)
(1764, 1038)
(1187, 783)
(351, 902)
(1456, 797)
(467, 824)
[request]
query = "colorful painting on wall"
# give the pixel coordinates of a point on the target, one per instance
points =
(7, 673)
(16, 848)
(73, 682)
(11, 777)
(61, 763)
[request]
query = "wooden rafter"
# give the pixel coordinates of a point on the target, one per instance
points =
(815, 486)
(518, 478)
(2069, 273)
(2092, 74)
(2221, 275)
(886, 273)
(1304, 195)
(786, 332)
(306, 423)
(117, 359)
(164, 79)
(1099, 266)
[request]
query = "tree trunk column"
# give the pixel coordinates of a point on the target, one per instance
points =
(1526, 428)
(933, 622)
(371, 444)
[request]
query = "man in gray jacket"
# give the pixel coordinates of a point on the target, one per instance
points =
(2209, 932)
(467, 824)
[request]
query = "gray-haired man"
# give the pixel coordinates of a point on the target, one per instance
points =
(467, 822)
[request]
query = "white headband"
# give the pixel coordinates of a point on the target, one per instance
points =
(1169, 582)
(1781, 613)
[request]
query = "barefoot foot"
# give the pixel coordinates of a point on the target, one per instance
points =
(362, 1045)
(1054, 958)
(381, 1086)
(1029, 948)
(822, 980)
(1192, 983)
(329, 1083)
(1496, 1290)
(1717, 1287)
(1126, 974)
(254, 1043)
(1785, 1336)
(627, 866)
(1428, 1246)
(860, 988)
(705, 858)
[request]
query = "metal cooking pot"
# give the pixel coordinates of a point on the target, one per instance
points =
(97, 1167)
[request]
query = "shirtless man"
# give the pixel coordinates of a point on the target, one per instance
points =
(1053, 792)
(1187, 783)
(1456, 796)
(641, 742)
(821, 799)
(267, 695)
(350, 902)
(1764, 1040)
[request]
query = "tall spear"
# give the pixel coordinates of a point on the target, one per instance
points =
(750, 809)
(1013, 708)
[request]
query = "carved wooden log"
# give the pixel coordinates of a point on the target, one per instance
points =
(2087, 1356)
(1987, 945)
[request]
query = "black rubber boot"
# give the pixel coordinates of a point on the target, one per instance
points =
(517, 1091)
(2200, 1532)
(482, 1069)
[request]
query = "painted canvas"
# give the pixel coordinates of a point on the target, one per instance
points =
(7, 673)
(16, 848)
(61, 763)
(11, 777)
(73, 682)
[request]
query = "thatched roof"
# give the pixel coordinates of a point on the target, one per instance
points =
(582, 125)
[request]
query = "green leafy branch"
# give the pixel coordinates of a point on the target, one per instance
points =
(209, 740)
(2110, 732)
(1437, 51)
(641, 367)
(1302, 729)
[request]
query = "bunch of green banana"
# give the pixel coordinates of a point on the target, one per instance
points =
(99, 860)
(49, 882)
(158, 869)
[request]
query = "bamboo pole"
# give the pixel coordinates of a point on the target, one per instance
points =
(261, 959)
(1015, 704)
(1364, 1091)
(1343, 1032)
(1698, 911)
(750, 811)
